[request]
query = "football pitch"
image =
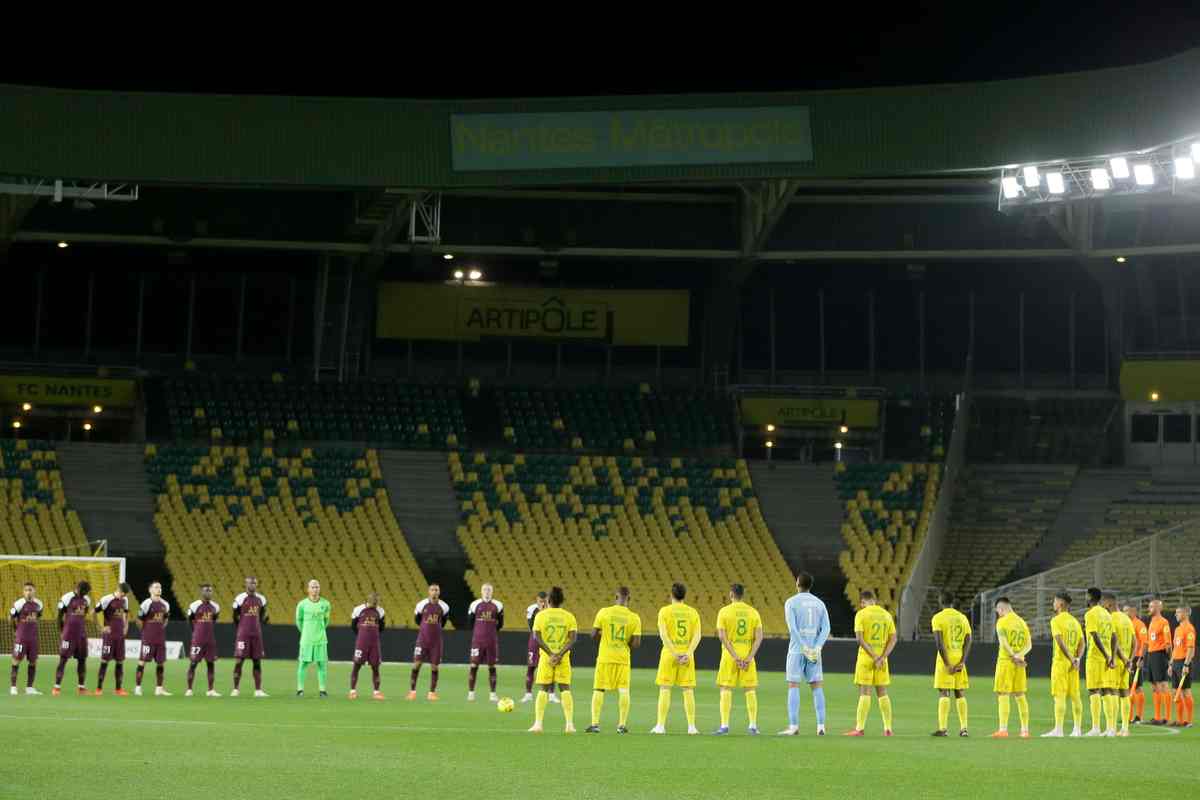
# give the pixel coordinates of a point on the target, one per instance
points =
(288, 747)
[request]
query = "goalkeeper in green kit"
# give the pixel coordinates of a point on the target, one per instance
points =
(312, 618)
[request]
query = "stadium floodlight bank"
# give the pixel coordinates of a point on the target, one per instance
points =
(1165, 563)
(1166, 169)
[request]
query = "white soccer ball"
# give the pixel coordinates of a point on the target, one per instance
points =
(504, 705)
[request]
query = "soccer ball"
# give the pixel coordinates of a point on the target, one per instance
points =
(504, 705)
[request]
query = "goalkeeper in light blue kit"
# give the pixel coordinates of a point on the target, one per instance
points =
(808, 623)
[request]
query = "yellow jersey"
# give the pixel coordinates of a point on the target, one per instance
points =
(954, 627)
(617, 625)
(554, 624)
(1015, 632)
(1123, 626)
(681, 622)
(1098, 621)
(876, 626)
(1071, 631)
(739, 621)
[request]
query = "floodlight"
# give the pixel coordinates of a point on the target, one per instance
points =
(843, 429)
(1120, 167)
(1012, 189)
(1054, 181)
(837, 445)
(97, 409)
(448, 256)
(1154, 397)
(1031, 177)
(16, 424)
(770, 444)
(63, 245)
(26, 407)
(87, 426)
(1120, 259)
(770, 428)
(458, 274)
(1185, 168)
(1144, 174)
(1100, 180)
(475, 275)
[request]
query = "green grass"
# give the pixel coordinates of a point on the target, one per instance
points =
(284, 747)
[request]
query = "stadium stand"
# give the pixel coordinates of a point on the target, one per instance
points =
(633, 418)
(251, 410)
(919, 429)
(887, 511)
(284, 516)
(35, 514)
(593, 523)
(1045, 430)
(1000, 515)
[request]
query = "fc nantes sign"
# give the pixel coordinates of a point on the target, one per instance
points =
(51, 391)
(801, 412)
(470, 313)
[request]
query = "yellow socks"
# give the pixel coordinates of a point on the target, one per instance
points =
(1110, 711)
(539, 706)
(1126, 711)
(597, 706)
(664, 706)
(1004, 711)
(864, 709)
(1023, 711)
(1096, 702)
(1077, 710)
(752, 707)
(689, 707)
(1060, 713)
(943, 713)
(885, 709)
(622, 706)
(726, 706)
(960, 705)
(568, 703)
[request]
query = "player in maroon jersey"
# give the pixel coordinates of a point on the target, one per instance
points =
(534, 652)
(25, 613)
(487, 618)
(152, 615)
(431, 616)
(249, 614)
(203, 615)
(113, 613)
(73, 609)
(367, 622)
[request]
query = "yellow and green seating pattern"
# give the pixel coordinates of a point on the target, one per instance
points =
(34, 517)
(593, 523)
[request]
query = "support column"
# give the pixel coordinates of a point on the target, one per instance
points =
(39, 292)
(771, 329)
(821, 335)
(191, 316)
(1021, 337)
(921, 337)
(141, 317)
(871, 335)
(241, 318)
(1071, 337)
(88, 323)
(291, 323)
(319, 313)
(970, 326)
(345, 322)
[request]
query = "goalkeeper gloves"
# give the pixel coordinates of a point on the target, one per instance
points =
(812, 653)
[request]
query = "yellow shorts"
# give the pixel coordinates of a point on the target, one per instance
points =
(672, 673)
(867, 674)
(1099, 676)
(547, 674)
(611, 676)
(729, 676)
(943, 678)
(1010, 679)
(1064, 681)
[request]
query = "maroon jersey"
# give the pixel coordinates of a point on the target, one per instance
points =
(368, 622)
(248, 612)
(153, 614)
(116, 612)
(202, 614)
(487, 617)
(25, 614)
(431, 618)
(74, 609)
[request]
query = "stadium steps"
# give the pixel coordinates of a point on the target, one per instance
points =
(106, 485)
(423, 502)
(1082, 513)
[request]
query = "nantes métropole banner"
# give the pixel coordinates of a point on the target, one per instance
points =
(628, 138)
(54, 391)
(804, 411)
(469, 313)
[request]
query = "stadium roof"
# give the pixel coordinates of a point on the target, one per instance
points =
(257, 141)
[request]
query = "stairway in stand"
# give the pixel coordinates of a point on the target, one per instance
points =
(106, 485)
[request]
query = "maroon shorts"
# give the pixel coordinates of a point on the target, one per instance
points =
(428, 653)
(25, 649)
(153, 652)
(249, 647)
(535, 653)
(368, 655)
(112, 648)
(202, 651)
(485, 654)
(73, 648)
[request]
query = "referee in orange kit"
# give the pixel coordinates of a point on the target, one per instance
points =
(1137, 706)
(1158, 644)
(1180, 671)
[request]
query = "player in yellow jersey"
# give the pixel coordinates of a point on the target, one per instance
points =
(1011, 680)
(1101, 665)
(739, 628)
(556, 631)
(1126, 634)
(875, 631)
(1067, 634)
(952, 635)
(680, 631)
(617, 629)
